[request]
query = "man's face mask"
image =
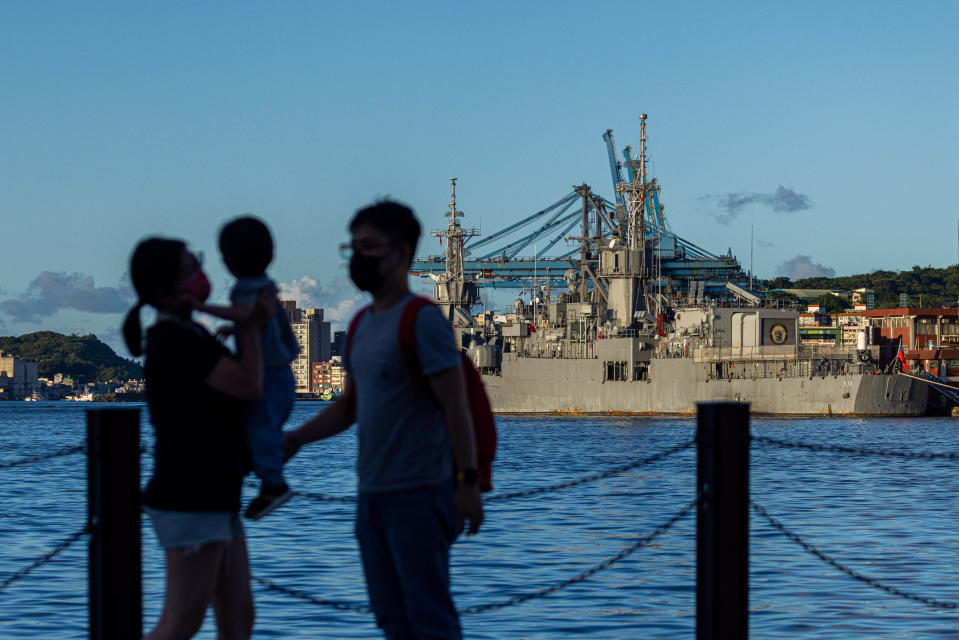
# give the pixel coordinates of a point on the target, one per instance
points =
(365, 272)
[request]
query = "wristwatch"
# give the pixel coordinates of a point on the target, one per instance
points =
(468, 477)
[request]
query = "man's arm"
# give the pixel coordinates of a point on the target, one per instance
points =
(449, 389)
(336, 418)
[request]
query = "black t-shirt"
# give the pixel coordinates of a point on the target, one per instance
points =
(201, 452)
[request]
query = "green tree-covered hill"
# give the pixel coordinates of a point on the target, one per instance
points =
(936, 286)
(76, 356)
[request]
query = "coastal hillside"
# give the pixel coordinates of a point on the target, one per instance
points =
(936, 286)
(83, 357)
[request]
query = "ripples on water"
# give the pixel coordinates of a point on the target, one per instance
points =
(889, 518)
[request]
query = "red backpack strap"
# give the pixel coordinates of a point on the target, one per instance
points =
(350, 334)
(354, 323)
(406, 335)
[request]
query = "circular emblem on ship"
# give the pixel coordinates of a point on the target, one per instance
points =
(778, 333)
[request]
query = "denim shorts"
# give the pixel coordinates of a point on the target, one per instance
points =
(193, 529)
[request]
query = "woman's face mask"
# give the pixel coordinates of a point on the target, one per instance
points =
(196, 285)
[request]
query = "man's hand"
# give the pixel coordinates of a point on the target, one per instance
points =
(468, 506)
(290, 445)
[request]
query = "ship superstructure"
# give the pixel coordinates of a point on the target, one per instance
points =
(622, 338)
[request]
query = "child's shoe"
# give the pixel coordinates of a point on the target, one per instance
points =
(269, 499)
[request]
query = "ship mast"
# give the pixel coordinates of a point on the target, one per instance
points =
(624, 265)
(452, 292)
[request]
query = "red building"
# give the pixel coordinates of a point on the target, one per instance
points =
(321, 378)
(929, 337)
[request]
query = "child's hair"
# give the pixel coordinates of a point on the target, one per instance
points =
(394, 220)
(246, 246)
(154, 267)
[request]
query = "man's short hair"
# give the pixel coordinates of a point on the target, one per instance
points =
(246, 246)
(394, 220)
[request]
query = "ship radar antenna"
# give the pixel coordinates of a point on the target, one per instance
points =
(453, 212)
(642, 148)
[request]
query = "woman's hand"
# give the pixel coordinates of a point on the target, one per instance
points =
(224, 331)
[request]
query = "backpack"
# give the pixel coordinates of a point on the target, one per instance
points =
(484, 425)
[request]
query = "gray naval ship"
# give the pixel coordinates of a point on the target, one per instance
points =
(622, 339)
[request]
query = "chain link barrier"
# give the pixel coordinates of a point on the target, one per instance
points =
(605, 564)
(852, 573)
(515, 600)
(525, 493)
(832, 448)
(323, 602)
(629, 466)
(42, 457)
(45, 558)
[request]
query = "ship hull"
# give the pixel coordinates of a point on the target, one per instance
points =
(575, 386)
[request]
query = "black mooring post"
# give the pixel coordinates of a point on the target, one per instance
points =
(113, 476)
(722, 522)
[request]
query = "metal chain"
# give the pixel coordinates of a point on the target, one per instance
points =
(894, 453)
(42, 457)
(336, 604)
(539, 593)
(45, 558)
(324, 497)
(872, 582)
(635, 464)
(523, 493)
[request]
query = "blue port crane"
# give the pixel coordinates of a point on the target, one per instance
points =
(504, 258)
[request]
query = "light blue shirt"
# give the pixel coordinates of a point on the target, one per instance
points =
(276, 337)
(403, 441)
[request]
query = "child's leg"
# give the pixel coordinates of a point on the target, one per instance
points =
(264, 425)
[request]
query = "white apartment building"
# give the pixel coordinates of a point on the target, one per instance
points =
(19, 377)
(313, 336)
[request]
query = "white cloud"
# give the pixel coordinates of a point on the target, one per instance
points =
(339, 299)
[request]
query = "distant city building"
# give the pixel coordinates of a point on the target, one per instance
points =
(19, 377)
(321, 377)
(337, 372)
(313, 336)
(328, 376)
(339, 340)
(929, 337)
(864, 299)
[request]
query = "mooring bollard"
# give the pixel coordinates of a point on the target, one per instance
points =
(113, 501)
(722, 521)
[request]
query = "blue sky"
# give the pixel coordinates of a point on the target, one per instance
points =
(121, 120)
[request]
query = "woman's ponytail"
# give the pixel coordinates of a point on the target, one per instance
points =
(153, 270)
(132, 333)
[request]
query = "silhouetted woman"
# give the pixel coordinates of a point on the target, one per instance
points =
(195, 391)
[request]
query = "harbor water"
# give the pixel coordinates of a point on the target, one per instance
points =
(889, 518)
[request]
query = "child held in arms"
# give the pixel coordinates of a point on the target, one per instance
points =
(246, 246)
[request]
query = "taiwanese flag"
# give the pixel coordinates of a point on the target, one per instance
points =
(902, 358)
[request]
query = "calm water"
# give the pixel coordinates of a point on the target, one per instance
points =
(893, 519)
